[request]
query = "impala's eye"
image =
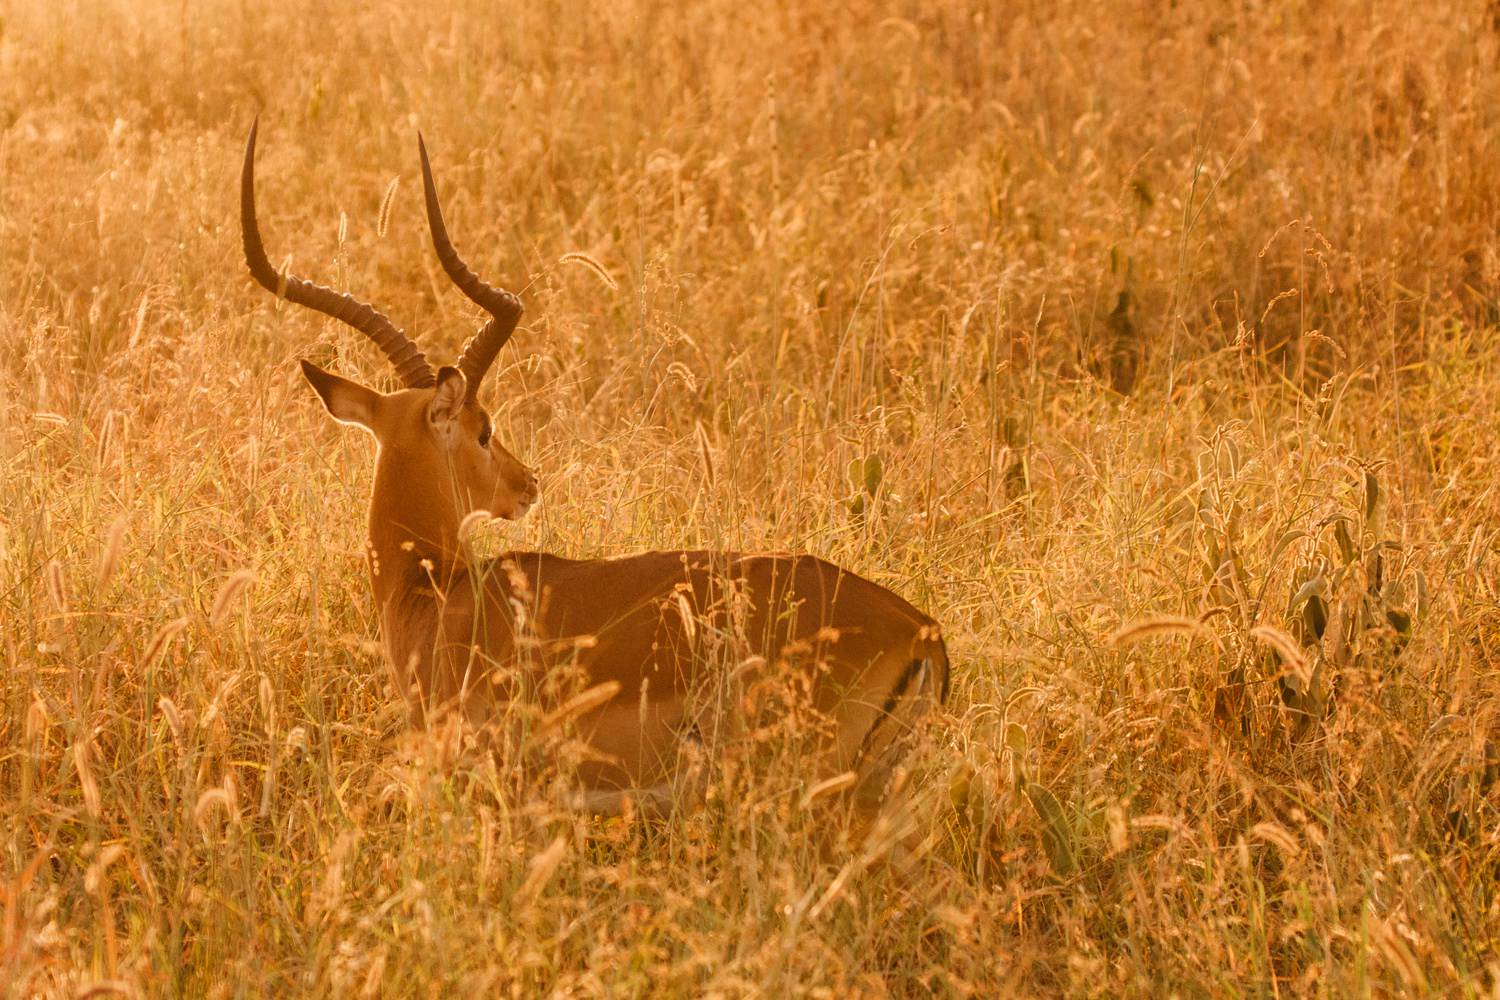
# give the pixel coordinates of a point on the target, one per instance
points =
(484, 438)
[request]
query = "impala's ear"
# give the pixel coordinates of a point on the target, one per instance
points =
(349, 402)
(448, 397)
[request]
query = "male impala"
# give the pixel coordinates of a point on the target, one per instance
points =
(648, 632)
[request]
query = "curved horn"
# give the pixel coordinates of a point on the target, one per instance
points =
(410, 363)
(504, 308)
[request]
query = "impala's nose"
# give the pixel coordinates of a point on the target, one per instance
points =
(529, 492)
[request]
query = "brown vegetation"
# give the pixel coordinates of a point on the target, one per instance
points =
(1152, 348)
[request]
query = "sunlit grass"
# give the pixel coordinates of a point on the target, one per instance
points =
(1054, 319)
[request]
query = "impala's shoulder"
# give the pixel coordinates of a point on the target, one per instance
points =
(805, 570)
(520, 556)
(804, 561)
(530, 563)
(652, 558)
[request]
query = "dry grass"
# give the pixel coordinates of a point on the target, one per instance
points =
(1173, 314)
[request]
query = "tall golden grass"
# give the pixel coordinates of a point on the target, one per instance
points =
(1150, 347)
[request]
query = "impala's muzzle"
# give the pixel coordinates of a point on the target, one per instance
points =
(527, 493)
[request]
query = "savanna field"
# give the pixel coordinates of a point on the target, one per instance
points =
(1154, 349)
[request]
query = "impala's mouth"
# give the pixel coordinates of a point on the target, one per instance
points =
(523, 507)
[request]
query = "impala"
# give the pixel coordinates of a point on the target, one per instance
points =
(657, 638)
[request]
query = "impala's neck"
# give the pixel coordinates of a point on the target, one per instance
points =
(413, 534)
(414, 555)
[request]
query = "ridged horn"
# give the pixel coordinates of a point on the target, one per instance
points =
(504, 307)
(410, 363)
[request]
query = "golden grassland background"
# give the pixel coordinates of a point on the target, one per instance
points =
(1054, 318)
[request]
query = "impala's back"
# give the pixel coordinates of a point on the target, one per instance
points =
(674, 631)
